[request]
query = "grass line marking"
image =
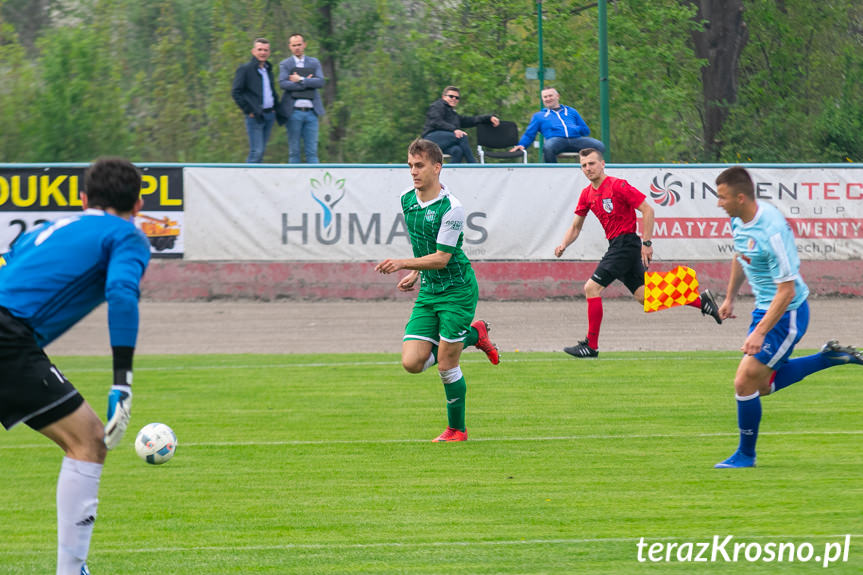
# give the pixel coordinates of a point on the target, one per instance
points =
(432, 544)
(483, 439)
(735, 357)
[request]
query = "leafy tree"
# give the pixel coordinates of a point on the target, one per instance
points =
(152, 80)
(80, 98)
(789, 103)
(18, 131)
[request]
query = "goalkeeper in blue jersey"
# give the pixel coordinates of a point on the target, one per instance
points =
(54, 276)
(440, 325)
(765, 254)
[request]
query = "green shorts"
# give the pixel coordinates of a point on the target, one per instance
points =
(445, 316)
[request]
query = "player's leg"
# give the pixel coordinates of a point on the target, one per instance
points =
(754, 376)
(81, 435)
(751, 381)
(33, 391)
(706, 303)
(418, 355)
(420, 342)
(478, 337)
(455, 390)
(589, 346)
(831, 355)
(455, 312)
(477, 334)
(619, 262)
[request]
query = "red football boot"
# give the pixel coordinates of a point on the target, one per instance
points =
(451, 434)
(484, 343)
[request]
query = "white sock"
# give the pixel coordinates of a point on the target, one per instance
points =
(430, 361)
(77, 499)
(451, 375)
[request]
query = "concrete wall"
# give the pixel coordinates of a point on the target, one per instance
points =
(181, 280)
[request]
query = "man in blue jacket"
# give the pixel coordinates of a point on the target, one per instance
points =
(562, 128)
(54, 276)
(255, 94)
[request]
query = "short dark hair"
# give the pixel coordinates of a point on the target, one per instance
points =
(452, 89)
(585, 152)
(427, 148)
(297, 34)
(260, 41)
(112, 182)
(737, 178)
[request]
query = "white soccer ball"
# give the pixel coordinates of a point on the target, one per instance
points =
(156, 443)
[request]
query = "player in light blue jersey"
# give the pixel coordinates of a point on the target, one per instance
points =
(440, 325)
(765, 254)
(53, 277)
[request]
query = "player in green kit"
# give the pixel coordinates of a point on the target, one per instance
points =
(440, 326)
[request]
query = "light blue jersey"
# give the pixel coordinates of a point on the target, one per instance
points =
(765, 248)
(60, 271)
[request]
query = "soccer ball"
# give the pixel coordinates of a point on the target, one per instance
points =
(156, 443)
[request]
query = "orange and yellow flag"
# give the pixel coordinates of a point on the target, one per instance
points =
(669, 289)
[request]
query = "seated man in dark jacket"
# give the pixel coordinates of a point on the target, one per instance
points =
(444, 126)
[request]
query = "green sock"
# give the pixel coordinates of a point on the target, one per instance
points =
(455, 393)
(472, 337)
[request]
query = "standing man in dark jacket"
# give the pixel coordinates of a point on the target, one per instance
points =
(255, 94)
(444, 126)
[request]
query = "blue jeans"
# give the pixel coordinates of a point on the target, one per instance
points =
(458, 148)
(303, 124)
(259, 134)
(555, 146)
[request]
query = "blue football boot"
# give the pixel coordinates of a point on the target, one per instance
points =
(838, 354)
(737, 460)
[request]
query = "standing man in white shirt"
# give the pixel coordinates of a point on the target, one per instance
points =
(301, 77)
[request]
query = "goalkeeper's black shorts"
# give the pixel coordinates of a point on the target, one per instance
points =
(32, 389)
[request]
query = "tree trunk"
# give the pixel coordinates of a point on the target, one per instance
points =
(720, 41)
(328, 63)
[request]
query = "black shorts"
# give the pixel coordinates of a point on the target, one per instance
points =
(32, 389)
(622, 261)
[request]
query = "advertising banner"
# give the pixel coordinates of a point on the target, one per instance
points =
(32, 195)
(333, 213)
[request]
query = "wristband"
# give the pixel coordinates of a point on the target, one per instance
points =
(647, 243)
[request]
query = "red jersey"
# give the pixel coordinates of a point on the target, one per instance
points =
(614, 203)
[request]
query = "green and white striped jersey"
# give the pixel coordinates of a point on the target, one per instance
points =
(438, 225)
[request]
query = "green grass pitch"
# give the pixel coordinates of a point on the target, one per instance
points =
(320, 464)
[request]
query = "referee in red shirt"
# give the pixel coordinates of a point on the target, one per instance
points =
(614, 202)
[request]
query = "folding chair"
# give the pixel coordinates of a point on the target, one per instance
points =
(502, 138)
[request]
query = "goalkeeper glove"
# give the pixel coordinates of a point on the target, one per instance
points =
(119, 408)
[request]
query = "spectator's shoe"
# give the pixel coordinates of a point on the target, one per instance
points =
(581, 350)
(838, 354)
(736, 461)
(451, 434)
(84, 570)
(484, 343)
(708, 305)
